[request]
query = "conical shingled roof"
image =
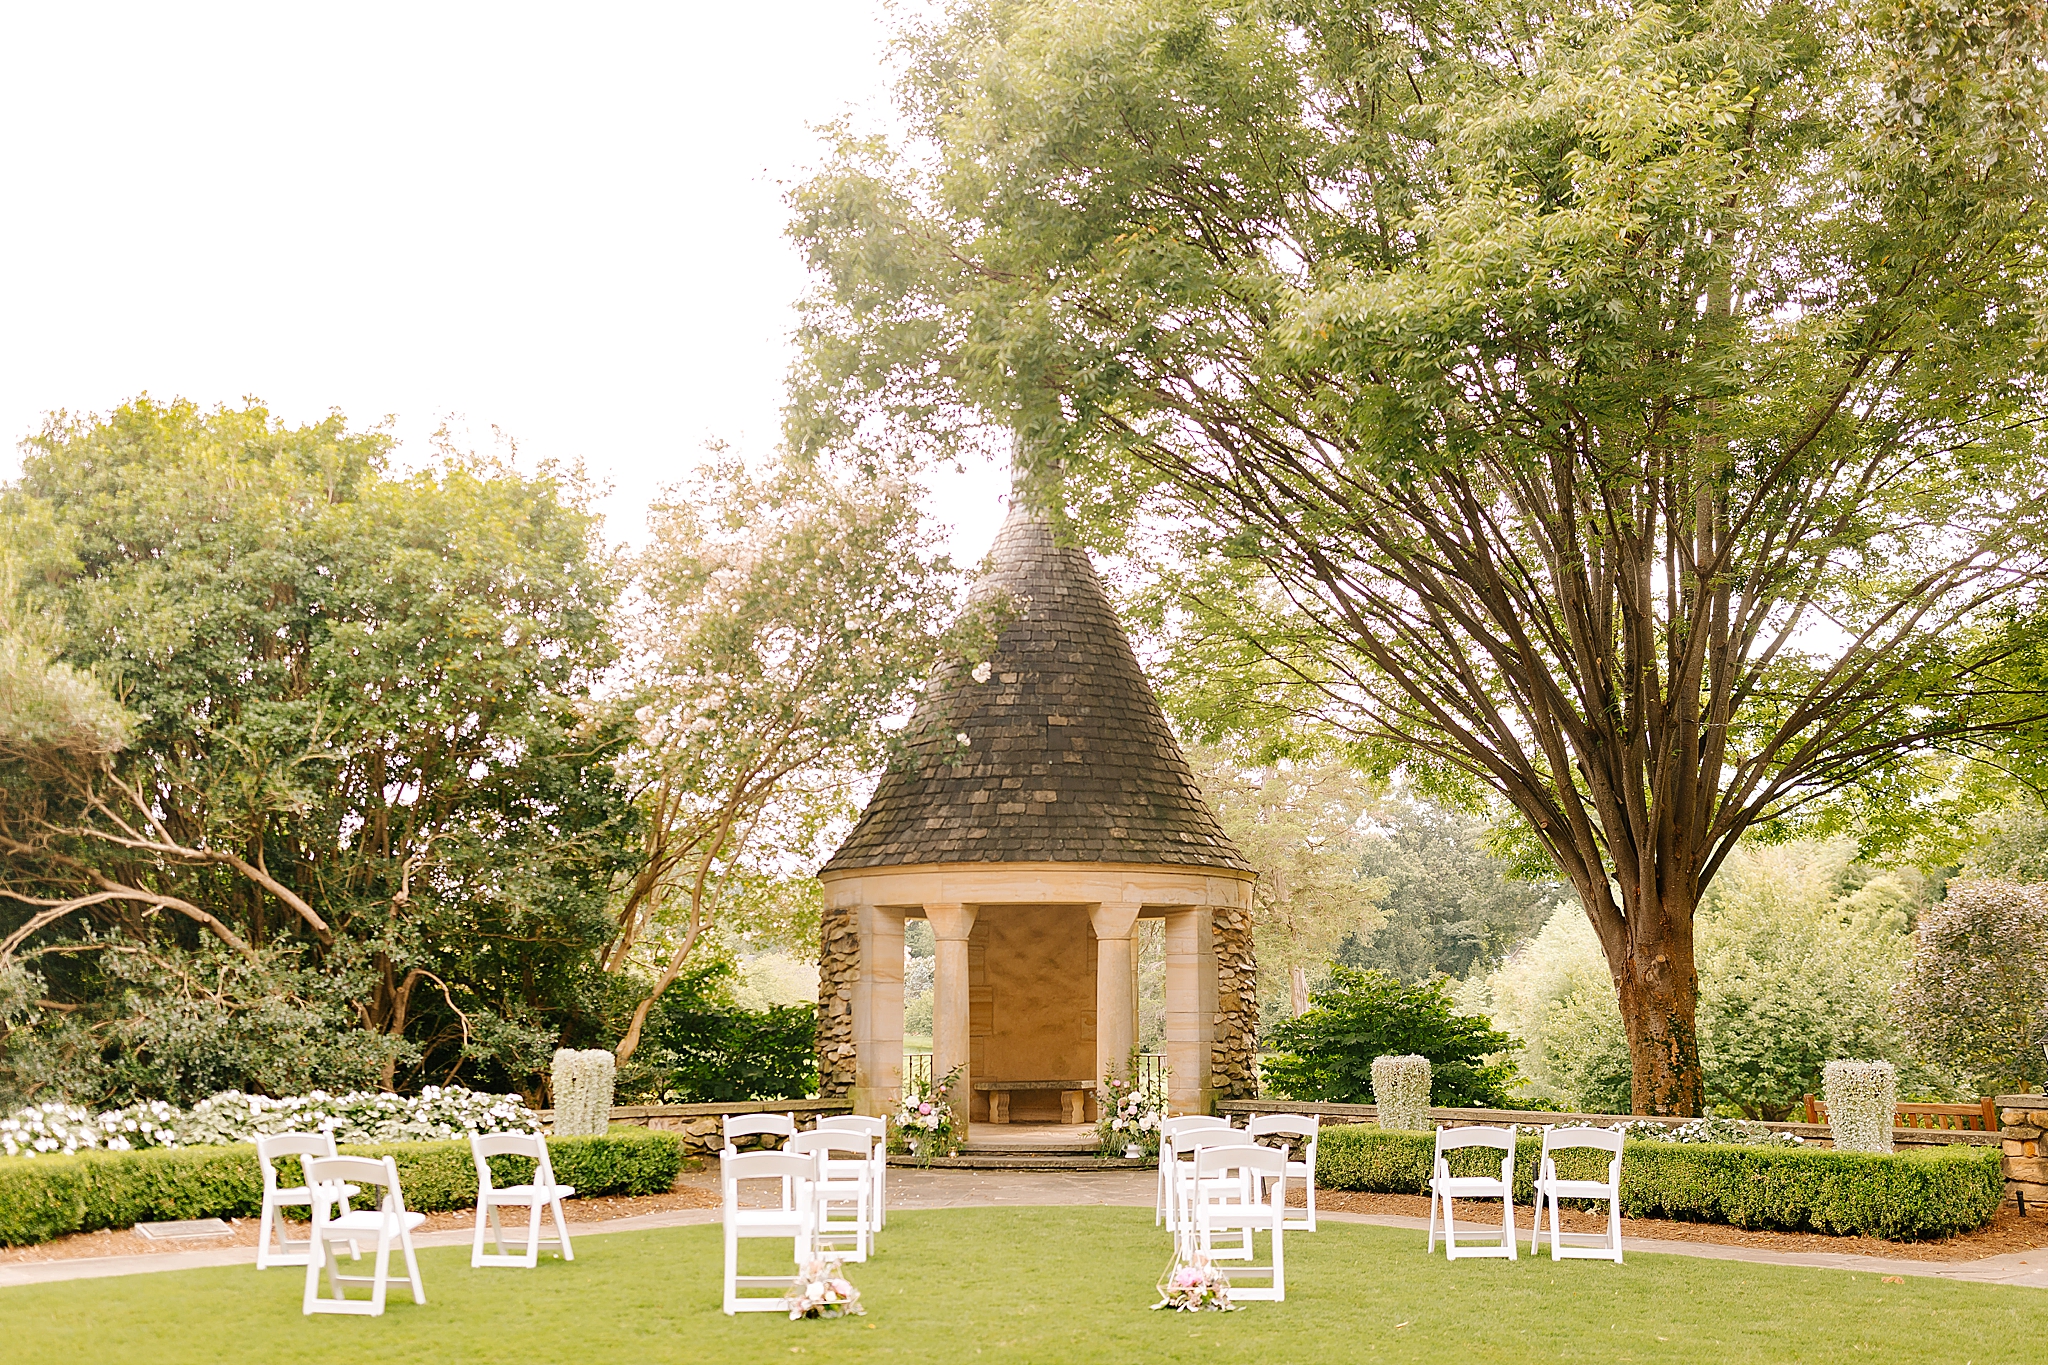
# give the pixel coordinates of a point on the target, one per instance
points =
(1068, 757)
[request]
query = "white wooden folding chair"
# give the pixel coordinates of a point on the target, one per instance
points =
(541, 1192)
(739, 1126)
(1242, 1188)
(791, 1217)
(877, 1132)
(1194, 1188)
(1549, 1187)
(389, 1223)
(1302, 1128)
(1445, 1187)
(277, 1198)
(844, 1186)
(1173, 1157)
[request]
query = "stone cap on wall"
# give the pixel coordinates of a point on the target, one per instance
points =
(1901, 1137)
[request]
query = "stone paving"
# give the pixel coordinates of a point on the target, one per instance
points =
(1118, 1189)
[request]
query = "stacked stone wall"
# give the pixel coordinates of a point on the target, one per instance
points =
(838, 969)
(1233, 1070)
(2023, 1123)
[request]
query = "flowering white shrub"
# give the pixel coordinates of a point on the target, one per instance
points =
(1131, 1112)
(1741, 1132)
(360, 1116)
(1400, 1086)
(583, 1091)
(1862, 1099)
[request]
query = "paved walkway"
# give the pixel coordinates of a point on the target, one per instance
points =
(1118, 1189)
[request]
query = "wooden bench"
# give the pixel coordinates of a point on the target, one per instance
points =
(1981, 1117)
(1073, 1097)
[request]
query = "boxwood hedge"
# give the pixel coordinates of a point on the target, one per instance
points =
(47, 1196)
(1918, 1193)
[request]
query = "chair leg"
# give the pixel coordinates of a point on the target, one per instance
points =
(1507, 1223)
(1614, 1224)
(562, 1232)
(1450, 1232)
(476, 1246)
(312, 1278)
(263, 1228)
(382, 1280)
(412, 1267)
(1279, 1260)
(1432, 1218)
(533, 1235)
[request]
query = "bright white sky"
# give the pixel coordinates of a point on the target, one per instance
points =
(562, 221)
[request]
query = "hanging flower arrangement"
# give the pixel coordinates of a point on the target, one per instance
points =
(821, 1290)
(1193, 1285)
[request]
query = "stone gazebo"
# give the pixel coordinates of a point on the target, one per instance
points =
(1044, 809)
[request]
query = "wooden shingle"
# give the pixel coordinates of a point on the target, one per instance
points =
(1068, 757)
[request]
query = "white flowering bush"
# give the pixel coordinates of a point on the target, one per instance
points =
(583, 1082)
(1740, 1132)
(1400, 1087)
(1863, 1098)
(436, 1113)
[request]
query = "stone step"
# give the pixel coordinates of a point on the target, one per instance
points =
(1029, 1160)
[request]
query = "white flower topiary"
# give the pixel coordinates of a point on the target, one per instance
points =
(1862, 1099)
(583, 1091)
(1400, 1085)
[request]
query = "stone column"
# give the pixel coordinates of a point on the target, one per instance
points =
(1116, 994)
(840, 992)
(1233, 1071)
(878, 1011)
(951, 926)
(2024, 1123)
(1190, 1010)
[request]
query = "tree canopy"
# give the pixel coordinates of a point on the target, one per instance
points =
(1627, 414)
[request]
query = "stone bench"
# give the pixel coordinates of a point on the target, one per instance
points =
(1073, 1097)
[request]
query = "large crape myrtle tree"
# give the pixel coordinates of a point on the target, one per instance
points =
(1628, 413)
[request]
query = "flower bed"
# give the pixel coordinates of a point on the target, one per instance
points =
(58, 1194)
(1930, 1192)
(437, 1112)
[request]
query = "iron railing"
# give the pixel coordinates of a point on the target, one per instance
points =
(917, 1070)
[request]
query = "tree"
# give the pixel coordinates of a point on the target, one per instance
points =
(335, 803)
(1301, 826)
(1451, 906)
(1633, 416)
(1975, 997)
(789, 617)
(1327, 1053)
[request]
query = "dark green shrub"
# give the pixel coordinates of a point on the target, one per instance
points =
(1327, 1052)
(698, 1049)
(1917, 1193)
(49, 1196)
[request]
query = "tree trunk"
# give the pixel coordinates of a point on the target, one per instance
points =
(1297, 990)
(1659, 995)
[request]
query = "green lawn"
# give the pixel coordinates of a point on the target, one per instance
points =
(1051, 1284)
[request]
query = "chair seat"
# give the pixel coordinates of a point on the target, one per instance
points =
(299, 1194)
(370, 1221)
(1469, 1186)
(531, 1194)
(1575, 1189)
(771, 1220)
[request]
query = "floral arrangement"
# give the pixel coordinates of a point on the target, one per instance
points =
(1400, 1087)
(1740, 1132)
(583, 1084)
(435, 1113)
(1131, 1113)
(1863, 1099)
(821, 1290)
(1192, 1285)
(925, 1123)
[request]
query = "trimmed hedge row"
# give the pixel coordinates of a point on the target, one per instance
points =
(1929, 1192)
(49, 1196)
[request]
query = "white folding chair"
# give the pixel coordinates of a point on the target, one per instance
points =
(845, 1181)
(791, 1216)
(1166, 1206)
(877, 1132)
(739, 1126)
(1606, 1246)
(541, 1192)
(389, 1223)
(1194, 1188)
(1242, 1188)
(1444, 1187)
(277, 1198)
(1301, 1127)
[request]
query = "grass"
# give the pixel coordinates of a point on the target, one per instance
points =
(1045, 1284)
